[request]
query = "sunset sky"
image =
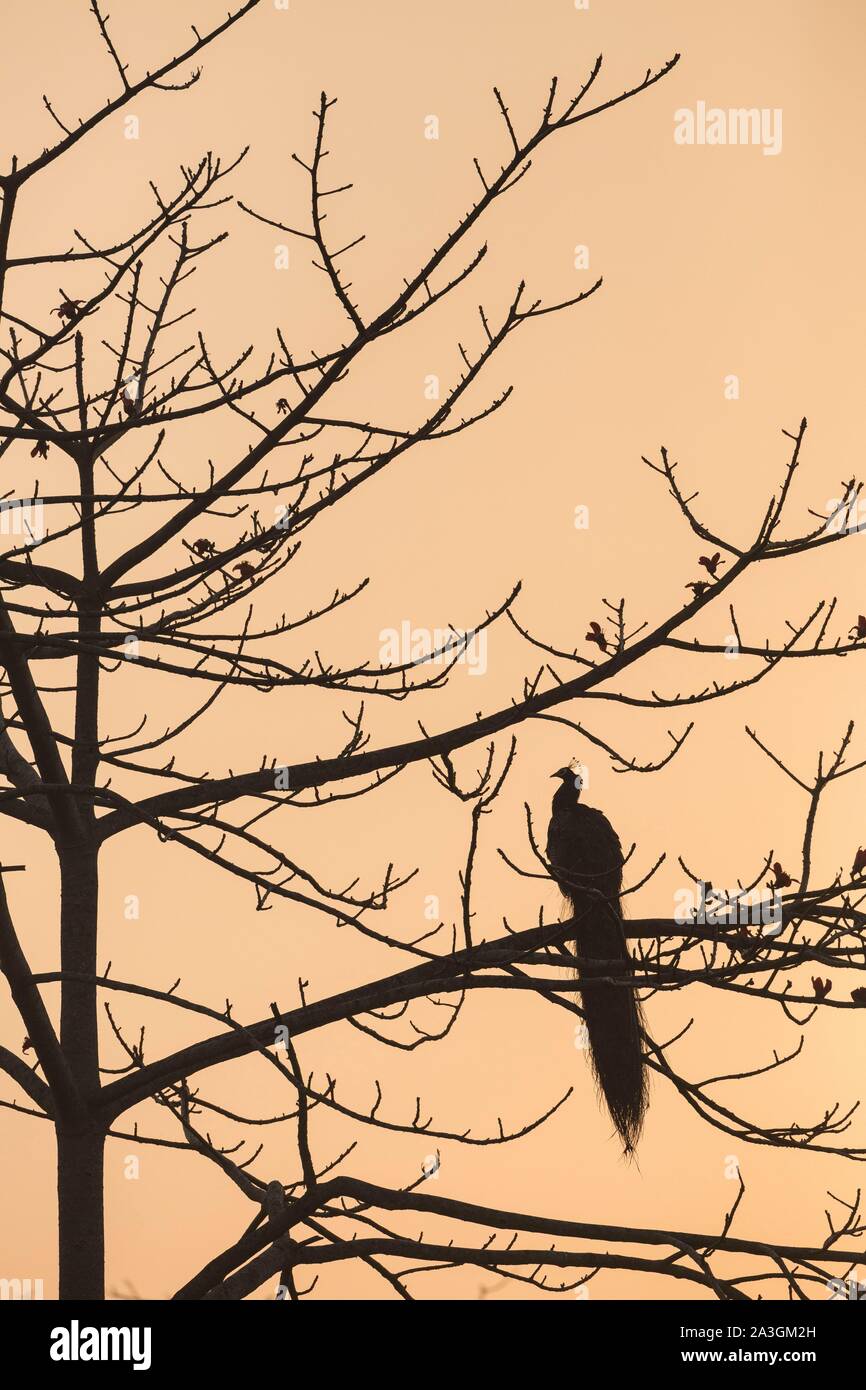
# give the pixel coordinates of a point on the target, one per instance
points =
(719, 262)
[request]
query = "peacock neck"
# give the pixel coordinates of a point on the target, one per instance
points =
(566, 798)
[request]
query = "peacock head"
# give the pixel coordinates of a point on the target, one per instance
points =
(570, 775)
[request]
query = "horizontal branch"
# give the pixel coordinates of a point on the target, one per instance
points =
(370, 1194)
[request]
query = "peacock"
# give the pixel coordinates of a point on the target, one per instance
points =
(585, 859)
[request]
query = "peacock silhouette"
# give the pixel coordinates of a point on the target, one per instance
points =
(585, 859)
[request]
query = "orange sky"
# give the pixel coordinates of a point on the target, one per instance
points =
(716, 261)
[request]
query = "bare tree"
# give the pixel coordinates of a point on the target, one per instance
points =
(147, 611)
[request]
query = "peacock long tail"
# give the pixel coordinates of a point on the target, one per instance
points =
(614, 1019)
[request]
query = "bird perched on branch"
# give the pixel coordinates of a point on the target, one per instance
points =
(585, 859)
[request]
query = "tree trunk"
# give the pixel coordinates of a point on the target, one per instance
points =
(80, 1213)
(80, 1145)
